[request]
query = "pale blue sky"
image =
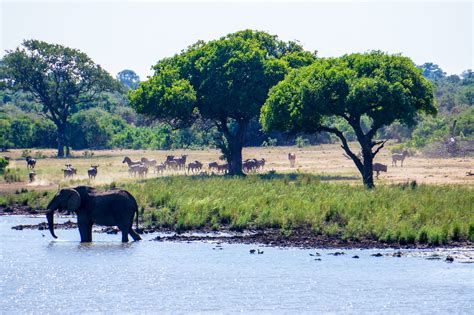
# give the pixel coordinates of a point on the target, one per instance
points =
(135, 35)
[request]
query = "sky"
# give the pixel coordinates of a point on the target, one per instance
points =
(136, 34)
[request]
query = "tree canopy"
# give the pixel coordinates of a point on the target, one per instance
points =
(225, 82)
(383, 88)
(60, 78)
(128, 78)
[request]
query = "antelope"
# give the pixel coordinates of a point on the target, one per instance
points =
(160, 168)
(194, 166)
(212, 165)
(92, 172)
(181, 161)
(32, 176)
(69, 171)
(292, 159)
(399, 157)
(30, 162)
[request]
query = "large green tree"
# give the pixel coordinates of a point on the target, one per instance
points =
(224, 82)
(383, 88)
(60, 78)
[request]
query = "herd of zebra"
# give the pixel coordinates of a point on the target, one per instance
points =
(141, 168)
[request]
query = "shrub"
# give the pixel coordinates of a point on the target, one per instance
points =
(3, 165)
(301, 142)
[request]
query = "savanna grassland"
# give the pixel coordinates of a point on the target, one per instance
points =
(428, 201)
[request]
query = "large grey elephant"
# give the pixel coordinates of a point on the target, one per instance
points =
(111, 208)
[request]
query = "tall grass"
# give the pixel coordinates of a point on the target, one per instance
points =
(395, 213)
(404, 214)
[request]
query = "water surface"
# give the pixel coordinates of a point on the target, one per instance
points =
(42, 275)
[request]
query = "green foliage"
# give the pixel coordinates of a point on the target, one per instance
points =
(3, 164)
(128, 78)
(270, 142)
(225, 81)
(12, 175)
(364, 91)
(301, 142)
(58, 77)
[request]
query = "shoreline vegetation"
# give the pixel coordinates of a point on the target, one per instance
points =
(300, 210)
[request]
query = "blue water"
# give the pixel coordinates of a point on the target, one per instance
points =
(42, 275)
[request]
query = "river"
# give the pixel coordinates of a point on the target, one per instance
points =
(41, 275)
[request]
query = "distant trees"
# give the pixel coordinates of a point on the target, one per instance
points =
(128, 78)
(224, 82)
(60, 78)
(375, 86)
(432, 71)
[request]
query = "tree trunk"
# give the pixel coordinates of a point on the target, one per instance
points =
(368, 174)
(233, 149)
(60, 145)
(235, 157)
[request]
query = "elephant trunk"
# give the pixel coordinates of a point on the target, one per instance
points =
(50, 217)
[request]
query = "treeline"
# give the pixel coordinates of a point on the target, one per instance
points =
(109, 122)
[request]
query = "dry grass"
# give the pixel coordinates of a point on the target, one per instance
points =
(326, 160)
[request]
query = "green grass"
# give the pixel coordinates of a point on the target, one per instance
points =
(404, 214)
(397, 213)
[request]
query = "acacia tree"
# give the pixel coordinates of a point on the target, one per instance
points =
(224, 82)
(384, 88)
(60, 78)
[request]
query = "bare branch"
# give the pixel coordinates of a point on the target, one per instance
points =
(379, 148)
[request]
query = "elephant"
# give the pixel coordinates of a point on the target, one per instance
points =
(114, 207)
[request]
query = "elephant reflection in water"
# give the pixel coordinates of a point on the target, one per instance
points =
(115, 207)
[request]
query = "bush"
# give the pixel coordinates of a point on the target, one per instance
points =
(3, 164)
(301, 142)
(12, 176)
(270, 142)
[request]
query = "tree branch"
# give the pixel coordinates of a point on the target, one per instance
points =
(382, 143)
(344, 145)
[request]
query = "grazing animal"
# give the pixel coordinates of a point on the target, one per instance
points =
(171, 164)
(195, 166)
(32, 176)
(181, 162)
(292, 159)
(260, 163)
(160, 168)
(169, 157)
(69, 171)
(30, 162)
(133, 169)
(212, 166)
(115, 207)
(399, 157)
(379, 168)
(250, 165)
(149, 163)
(92, 172)
(222, 168)
(142, 170)
(130, 162)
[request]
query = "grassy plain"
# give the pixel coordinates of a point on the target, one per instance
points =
(322, 195)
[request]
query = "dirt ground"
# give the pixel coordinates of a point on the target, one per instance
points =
(325, 160)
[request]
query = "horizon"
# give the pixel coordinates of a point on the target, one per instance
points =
(137, 35)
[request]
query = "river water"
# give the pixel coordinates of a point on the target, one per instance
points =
(42, 275)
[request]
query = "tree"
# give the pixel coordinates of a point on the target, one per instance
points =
(432, 71)
(128, 78)
(224, 82)
(60, 78)
(384, 88)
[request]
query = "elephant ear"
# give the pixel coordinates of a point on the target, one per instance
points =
(73, 200)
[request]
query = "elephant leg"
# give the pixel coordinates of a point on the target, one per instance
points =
(134, 235)
(86, 235)
(125, 232)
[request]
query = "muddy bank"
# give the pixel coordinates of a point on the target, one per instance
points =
(300, 239)
(270, 237)
(18, 210)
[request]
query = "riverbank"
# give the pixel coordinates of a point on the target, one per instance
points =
(297, 209)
